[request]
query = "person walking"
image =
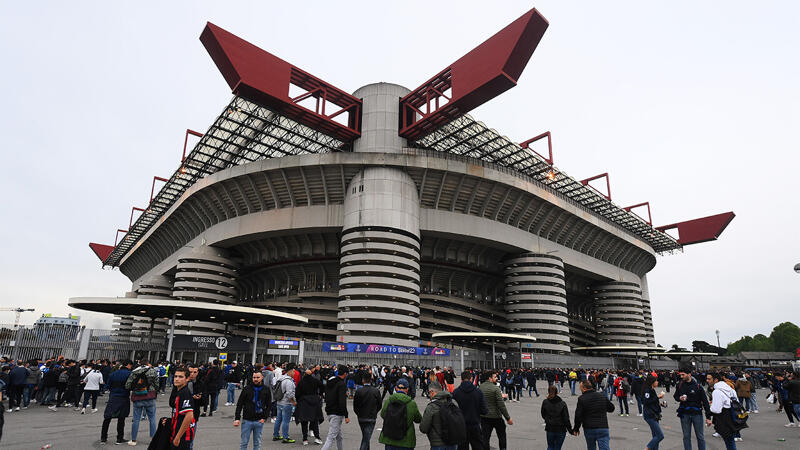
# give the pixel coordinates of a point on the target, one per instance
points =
(692, 404)
(252, 409)
(212, 383)
(473, 404)
(573, 381)
(496, 412)
(366, 404)
(336, 407)
(752, 402)
(445, 430)
(91, 389)
(309, 405)
(592, 412)
(622, 388)
(143, 384)
(651, 407)
(183, 429)
(284, 394)
(556, 419)
(119, 405)
(721, 398)
(233, 378)
(398, 432)
(792, 388)
(16, 385)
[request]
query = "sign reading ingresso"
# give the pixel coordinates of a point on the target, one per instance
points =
(214, 343)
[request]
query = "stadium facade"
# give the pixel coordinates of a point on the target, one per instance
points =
(388, 215)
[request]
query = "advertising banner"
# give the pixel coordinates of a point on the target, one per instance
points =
(283, 345)
(384, 349)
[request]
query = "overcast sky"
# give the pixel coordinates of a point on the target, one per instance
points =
(692, 106)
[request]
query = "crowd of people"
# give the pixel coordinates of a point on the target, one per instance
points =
(462, 411)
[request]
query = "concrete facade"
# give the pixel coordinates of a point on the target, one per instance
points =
(388, 244)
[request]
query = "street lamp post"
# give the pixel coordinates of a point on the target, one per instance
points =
(717, 331)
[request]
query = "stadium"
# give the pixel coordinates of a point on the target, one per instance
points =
(387, 217)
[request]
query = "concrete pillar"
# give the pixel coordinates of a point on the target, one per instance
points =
(255, 344)
(206, 274)
(648, 314)
(536, 300)
(619, 315)
(171, 335)
(380, 246)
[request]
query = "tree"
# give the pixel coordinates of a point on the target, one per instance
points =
(785, 337)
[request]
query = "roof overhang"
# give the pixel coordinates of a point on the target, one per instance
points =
(682, 354)
(617, 348)
(184, 310)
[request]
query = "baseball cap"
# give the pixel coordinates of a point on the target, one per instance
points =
(402, 383)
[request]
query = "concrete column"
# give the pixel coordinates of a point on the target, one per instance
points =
(619, 314)
(255, 344)
(380, 246)
(648, 314)
(206, 274)
(171, 335)
(536, 300)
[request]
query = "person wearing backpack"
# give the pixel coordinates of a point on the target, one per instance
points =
(143, 384)
(336, 407)
(366, 404)
(283, 395)
(442, 420)
(92, 388)
(556, 419)
(119, 404)
(399, 413)
(623, 388)
(723, 403)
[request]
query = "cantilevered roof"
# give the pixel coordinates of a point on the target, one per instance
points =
(618, 348)
(186, 310)
(682, 354)
(467, 137)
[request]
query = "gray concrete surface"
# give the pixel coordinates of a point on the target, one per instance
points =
(66, 429)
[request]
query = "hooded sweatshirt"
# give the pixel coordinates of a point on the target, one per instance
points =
(556, 415)
(721, 397)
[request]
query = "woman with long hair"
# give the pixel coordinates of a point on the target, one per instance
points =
(651, 407)
(556, 419)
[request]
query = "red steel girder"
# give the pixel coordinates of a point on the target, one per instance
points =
(649, 215)
(133, 210)
(527, 144)
(597, 177)
(153, 187)
(116, 236)
(186, 141)
(479, 76)
(101, 250)
(700, 230)
(262, 77)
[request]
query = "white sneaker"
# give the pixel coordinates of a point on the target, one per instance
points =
(9, 410)
(132, 443)
(789, 425)
(52, 408)
(305, 443)
(83, 410)
(716, 435)
(317, 441)
(737, 439)
(94, 410)
(755, 412)
(272, 420)
(639, 415)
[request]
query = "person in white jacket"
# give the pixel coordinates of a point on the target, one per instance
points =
(91, 388)
(721, 409)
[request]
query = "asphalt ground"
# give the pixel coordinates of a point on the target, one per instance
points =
(66, 429)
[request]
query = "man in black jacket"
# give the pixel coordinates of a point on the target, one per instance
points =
(211, 385)
(693, 403)
(254, 401)
(473, 404)
(336, 407)
(592, 412)
(366, 404)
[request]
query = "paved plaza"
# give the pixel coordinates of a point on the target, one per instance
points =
(66, 429)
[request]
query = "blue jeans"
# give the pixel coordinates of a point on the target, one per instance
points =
(281, 428)
(797, 409)
(730, 444)
(366, 434)
(658, 435)
(555, 440)
(687, 421)
(251, 426)
(572, 384)
(231, 393)
(148, 406)
(26, 394)
(639, 402)
(597, 438)
(49, 394)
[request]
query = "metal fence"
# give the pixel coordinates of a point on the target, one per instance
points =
(75, 342)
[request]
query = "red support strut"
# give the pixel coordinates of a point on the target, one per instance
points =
(186, 141)
(649, 216)
(119, 230)
(597, 177)
(700, 230)
(527, 145)
(133, 209)
(153, 187)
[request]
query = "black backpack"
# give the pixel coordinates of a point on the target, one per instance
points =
(739, 414)
(454, 429)
(140, 384)
(395, 424)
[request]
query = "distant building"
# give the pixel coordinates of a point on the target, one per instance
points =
(57, 328)
(763, 360)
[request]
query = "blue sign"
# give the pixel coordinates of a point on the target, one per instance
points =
(384, 349)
